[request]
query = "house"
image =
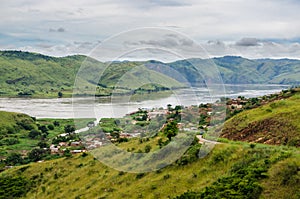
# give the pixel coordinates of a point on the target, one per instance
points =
(75, 143)
(54, 149)
(77, 151)
(63, 144)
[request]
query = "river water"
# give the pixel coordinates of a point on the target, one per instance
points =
(119, 106)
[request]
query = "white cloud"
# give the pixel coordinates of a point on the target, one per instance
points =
(60, 23)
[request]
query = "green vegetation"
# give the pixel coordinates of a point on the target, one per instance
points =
(230, 170)
(23, 138)
(27, 74)
(276, 122)
(239, 70)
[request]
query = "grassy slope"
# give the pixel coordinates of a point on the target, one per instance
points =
(27, 72)
(44, 76)
(238, 70)
(274, 123)
(10, 128)
(85, 177)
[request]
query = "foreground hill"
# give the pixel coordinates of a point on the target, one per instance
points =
(21, 134)
(276, 123)
(31, 74)
(230, 170)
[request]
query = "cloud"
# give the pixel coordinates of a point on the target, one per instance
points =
(219, 22)
(166, 41)
(248, 42)
(168, 3)
(57, 30)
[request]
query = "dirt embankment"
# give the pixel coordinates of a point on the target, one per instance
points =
(274, 131)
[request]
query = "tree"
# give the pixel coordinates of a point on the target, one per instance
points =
(43, 129)
(69, 129)
(36, 154)
(50, 127)
(147, 148)
(171, 130)
(60, 94)
(43, 144)
(56, 123)
(14, 159)
(177, 108)
(34, 133)
(169, 107)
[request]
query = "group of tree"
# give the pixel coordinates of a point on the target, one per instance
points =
(34, 155)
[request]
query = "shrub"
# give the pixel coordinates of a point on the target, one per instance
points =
(50, 127)
(34, 134)
(56, 123)
(147, 148)
(14, 159)
(9, 141)
(13, 187)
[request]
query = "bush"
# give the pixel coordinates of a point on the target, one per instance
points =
(9, 141)
(14, 159)
(50, 127)
(56, 123)
(34, 134)
(147, 148)
(289, 174)
(13, 187)
(26, 124)
(37, 154)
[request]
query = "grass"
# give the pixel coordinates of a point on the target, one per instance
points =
(139, 144)
(84, 177)
(275, 123)
(286, 176)
(17, 126)
(34, 75)
(25, 74)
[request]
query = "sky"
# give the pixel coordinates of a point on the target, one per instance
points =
(253, 29)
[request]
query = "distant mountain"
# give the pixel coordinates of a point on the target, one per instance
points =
(239, 70)
(32, 74)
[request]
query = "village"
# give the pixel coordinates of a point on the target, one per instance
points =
(145, 122)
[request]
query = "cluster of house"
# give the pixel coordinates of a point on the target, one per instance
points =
(236, 103)
(151, 113)
(63, 146)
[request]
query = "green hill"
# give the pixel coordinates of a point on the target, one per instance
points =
(32, 74)
(20, 133)
(14, 129)
(275, 123)
(229, 171)
(239, 70)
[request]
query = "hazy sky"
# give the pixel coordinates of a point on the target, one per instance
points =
(251, 28)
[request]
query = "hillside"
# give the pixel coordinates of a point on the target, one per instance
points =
(31, 74)
(20, 134)
(239, 70)
(276, 123)
(14, 129)
(35, 75)
(230, 170)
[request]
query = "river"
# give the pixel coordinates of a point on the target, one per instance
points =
(118, 107)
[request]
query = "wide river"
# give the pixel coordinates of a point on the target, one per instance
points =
(118, 107)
